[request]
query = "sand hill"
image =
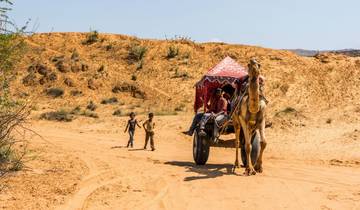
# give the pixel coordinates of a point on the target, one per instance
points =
(144, 75)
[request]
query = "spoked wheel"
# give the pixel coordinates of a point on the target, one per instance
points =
(255, 149)
(201, 149)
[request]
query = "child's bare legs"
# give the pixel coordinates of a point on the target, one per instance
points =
(146, 139)
(152, 142)
(131, 139)
(149, 136)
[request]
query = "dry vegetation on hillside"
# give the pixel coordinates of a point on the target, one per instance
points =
(66, 70)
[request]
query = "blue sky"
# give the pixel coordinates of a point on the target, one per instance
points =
(308, 24)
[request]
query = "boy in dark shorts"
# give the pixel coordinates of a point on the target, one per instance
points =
(149, 126)
(132, 123)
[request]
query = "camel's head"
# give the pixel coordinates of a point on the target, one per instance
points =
(254, 68)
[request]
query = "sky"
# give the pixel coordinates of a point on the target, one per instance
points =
(280, 24)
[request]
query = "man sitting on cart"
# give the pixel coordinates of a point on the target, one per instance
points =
(217, 109)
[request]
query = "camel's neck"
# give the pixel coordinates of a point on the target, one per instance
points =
(254, 95)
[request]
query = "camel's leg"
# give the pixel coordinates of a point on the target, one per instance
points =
(249, 168)
(237, 143)
(263, 143)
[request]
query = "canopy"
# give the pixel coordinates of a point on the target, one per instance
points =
(227, 72)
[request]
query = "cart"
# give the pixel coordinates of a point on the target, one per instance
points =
(232, 78)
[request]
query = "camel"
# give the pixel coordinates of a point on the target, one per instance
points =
(249, 115)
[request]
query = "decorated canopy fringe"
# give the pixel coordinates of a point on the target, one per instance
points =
(227, 72)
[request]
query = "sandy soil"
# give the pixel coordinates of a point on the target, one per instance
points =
(309, 167)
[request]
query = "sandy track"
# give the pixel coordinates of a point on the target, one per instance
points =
(121, 178)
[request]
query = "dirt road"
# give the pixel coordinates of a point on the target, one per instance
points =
(293, 178)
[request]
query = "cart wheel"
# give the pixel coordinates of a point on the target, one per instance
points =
(201, 149)
(255, 150)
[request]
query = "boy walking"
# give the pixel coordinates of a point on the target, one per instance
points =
(149, 130)
(132, 123)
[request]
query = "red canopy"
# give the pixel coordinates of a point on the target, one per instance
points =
(227, 72)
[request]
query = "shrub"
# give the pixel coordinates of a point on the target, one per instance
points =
(92, 37)
(55, 92)
(84, 67)
(76, 93)
(11, 158)
(52, 76)
(179, 74)
(61, 67)
(118, 113)
(287, 110)
(109, 47)
(92, 84)
(57, 59)
(30, 79)
(180, 108)
(101, 69)
(61, 116)
(139, 65)
(133, 77)
(135, 91)
(85, 113)
(76, 110)
(75, 56)
(91, 106)
(172, 52)
(137, 52)
(112, 100)
(11, 126)
(12, 114)
(69, 82)
(186, 55)
(165, 113)
(89, 114)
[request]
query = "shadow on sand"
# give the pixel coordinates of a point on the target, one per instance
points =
(118, 147)
(206, 171)
(139, 149)
(225, 143)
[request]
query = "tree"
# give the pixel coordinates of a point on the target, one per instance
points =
(12, 114)
(12, 48)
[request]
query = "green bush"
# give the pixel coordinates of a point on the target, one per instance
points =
(180, 74)
(92, 37)
(55, 92)
(136, 52)
(61, 116)
(13, 113)
(91, 106)
(76, 93)
(133, 77)
(109, 47)
(76, 110)
(172, 52)
(118, 113)
(9, 156)
(112, 100)
(89, 114)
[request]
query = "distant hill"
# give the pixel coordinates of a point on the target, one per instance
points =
(309, 53)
